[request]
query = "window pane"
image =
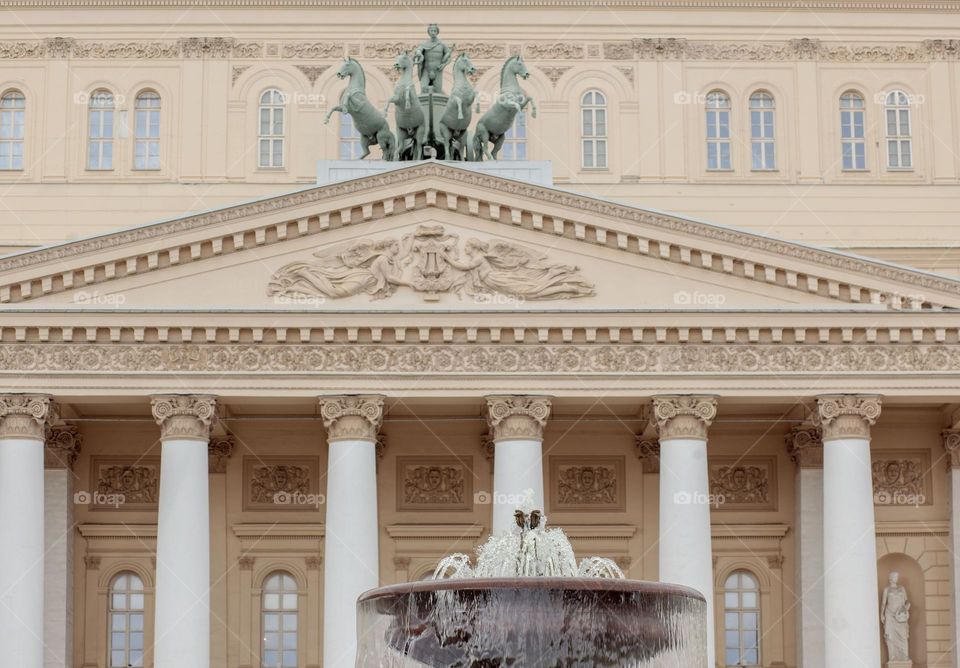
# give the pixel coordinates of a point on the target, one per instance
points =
(289, 601)
(749, 600)
(290, 659)
(731, 600)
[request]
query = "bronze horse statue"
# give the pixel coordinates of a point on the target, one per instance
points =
(410, 119)
(511, 100)
(370, 123)
(458, 113)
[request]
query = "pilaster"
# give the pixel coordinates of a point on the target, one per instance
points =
(951, 444)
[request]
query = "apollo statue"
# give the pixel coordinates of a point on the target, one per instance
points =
(431, 57)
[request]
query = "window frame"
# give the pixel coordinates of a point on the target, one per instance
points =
(857, 106)
(593, 105)
(17, 116)
(282, 612)
(102, 140)
(767, 143)
(127, 614)
(715, 139)
(150, 139)
(900, 138)
(740, 610)
(274, 106)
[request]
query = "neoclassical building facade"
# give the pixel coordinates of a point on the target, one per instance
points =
(234, 398)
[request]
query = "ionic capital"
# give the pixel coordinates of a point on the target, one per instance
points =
(684, 416)
(186, 417)
(805, 446)
(847, 415)
(352, 417)
(951, 443)
(62, 446)
(219, 450)
(517, 417)
(648, 452)
(25, 415)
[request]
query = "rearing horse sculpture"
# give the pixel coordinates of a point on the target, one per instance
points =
(459, 111)
(370, 123)
(499, 118)
(411, 122)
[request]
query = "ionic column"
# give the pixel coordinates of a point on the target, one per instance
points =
(685, 538)
(951, 443)
(805, 447)
(517, 424)
(351, 544)
(23, 419)
(182, 626)
(63, 443)
(851, 606)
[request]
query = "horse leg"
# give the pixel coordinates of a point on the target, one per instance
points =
(459, 108)
(497, 145)
(387, 143)
(365, 145)
(330, 113)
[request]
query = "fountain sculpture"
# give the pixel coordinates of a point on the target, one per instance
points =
(528, 604)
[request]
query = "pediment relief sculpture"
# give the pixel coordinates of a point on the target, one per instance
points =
(431, 261)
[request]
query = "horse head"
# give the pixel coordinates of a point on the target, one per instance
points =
(464, 64)
(518, 67)
(403, 61)
(349, 68)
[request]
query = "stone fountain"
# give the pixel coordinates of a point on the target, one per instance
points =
(528, 604)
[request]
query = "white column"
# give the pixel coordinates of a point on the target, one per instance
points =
(517, 424)
(23, 418)
(951, 443)
(685, 538)
(806, 449)
(351, 545)
(182, 619)
(62, 446)
(851, 605)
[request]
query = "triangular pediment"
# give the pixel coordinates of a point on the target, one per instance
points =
(442, 237)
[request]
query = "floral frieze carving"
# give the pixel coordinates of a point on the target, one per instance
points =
(281, 483)
(313, 50)
(123, 483)
(554, 51)
(587, 483)
(744, 483)
(434, 483)
(900, 478)
(430, 261)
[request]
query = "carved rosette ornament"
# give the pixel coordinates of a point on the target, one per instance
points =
(62, 446)
(25, 415)
(184, 417)
(219, 450)
(805, 446)
(517, 417)
(352, 417)
(951, 443)
(684, 416)
(847, 415)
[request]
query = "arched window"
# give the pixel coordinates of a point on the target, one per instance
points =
(146, 150)
(279, 617)
(100, 130)
(741, 620)
(126, 621)
(12, 109)
(762, 142)
(718, 131)
(349, 139)
(515, 140)
(593, 129)
(272, 107)
(852, 144)
(899, 144)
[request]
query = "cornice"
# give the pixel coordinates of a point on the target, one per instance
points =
(533, 214)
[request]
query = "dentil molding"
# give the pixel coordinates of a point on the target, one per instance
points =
(352, 417)
(184, 416)
(517, 417)
(843, 416)
(684, 416)
(25, 415)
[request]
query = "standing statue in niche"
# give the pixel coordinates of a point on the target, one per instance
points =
(431, 57)
(895, 614)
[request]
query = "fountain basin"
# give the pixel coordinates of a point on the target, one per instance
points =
(533, 622)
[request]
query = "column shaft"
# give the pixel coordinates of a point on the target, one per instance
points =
(951, 443)
(517, 424)
(851, 605)
(182, 619)
(22, 422)
(685, 548)
(351, 544)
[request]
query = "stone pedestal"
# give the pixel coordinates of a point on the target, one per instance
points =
(900, 664)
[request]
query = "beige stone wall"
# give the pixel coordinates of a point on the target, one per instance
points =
(654, 90)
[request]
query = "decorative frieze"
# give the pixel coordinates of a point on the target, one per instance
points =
(313, 72)
(587, 483)
(805, 446)
(184, 416)
(951, 444)
(483, 50)
(847, 415)
(313, 50)
(219, 450)
(744, 483)
(684, 416)
(124, 483)
(352, 417)
(62, 445)
(648, 452)
(434, 483)
(554, 51)
(387, 50)
(517, 417)
(901, 478)
(281, 483)
(25, 415)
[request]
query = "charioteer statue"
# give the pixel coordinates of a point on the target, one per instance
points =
(431, 57)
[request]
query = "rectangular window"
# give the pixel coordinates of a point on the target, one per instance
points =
(718, 140)
(11, 132)
(100, 143)
(852, 138)
(763, 147)
(146, 152)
